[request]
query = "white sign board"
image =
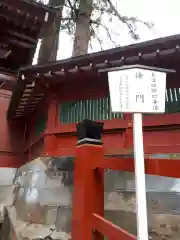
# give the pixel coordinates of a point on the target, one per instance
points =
(137, 90)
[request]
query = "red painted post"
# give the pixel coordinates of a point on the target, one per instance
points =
(128, 144)
(88, 195)
(52, 112)
(50, 139)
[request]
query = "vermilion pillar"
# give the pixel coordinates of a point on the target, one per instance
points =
(50, 139)
(88, 195)
(128, 144)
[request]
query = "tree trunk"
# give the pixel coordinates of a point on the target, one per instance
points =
(82, 33)
(49, 44)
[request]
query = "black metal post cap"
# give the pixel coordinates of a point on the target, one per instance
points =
(89, 132)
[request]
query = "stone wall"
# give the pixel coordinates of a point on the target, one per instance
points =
(7, 177)
(42, 201)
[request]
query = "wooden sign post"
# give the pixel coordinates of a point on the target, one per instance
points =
(137, 90)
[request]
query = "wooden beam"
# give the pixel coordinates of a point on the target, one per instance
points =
(4, 53)
(154, 166)
(6, 77)
(22, 44)
(38, 89)
(22, 36)
(110, 230)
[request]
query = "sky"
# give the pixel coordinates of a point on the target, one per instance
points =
(163, 13)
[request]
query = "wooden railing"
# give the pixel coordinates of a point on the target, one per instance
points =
(88, 200)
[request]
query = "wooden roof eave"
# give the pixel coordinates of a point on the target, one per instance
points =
(22, 22)
(27, 9)
(133, 54)
(29, 5)
(31, 91)
(136, 50)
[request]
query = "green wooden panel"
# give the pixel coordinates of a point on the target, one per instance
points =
(93, 109)
(172, 100)
(41, 125)
(100, 108)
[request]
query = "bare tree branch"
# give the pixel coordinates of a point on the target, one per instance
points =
(68, 19)
(129, 21)
(107, 31)
(90, 44)
(71, 5)
(102, 10)
(96, 36)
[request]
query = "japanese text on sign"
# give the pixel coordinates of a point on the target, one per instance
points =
(154, 92)
(137, 90)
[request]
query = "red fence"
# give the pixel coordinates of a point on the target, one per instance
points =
(88, 203)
